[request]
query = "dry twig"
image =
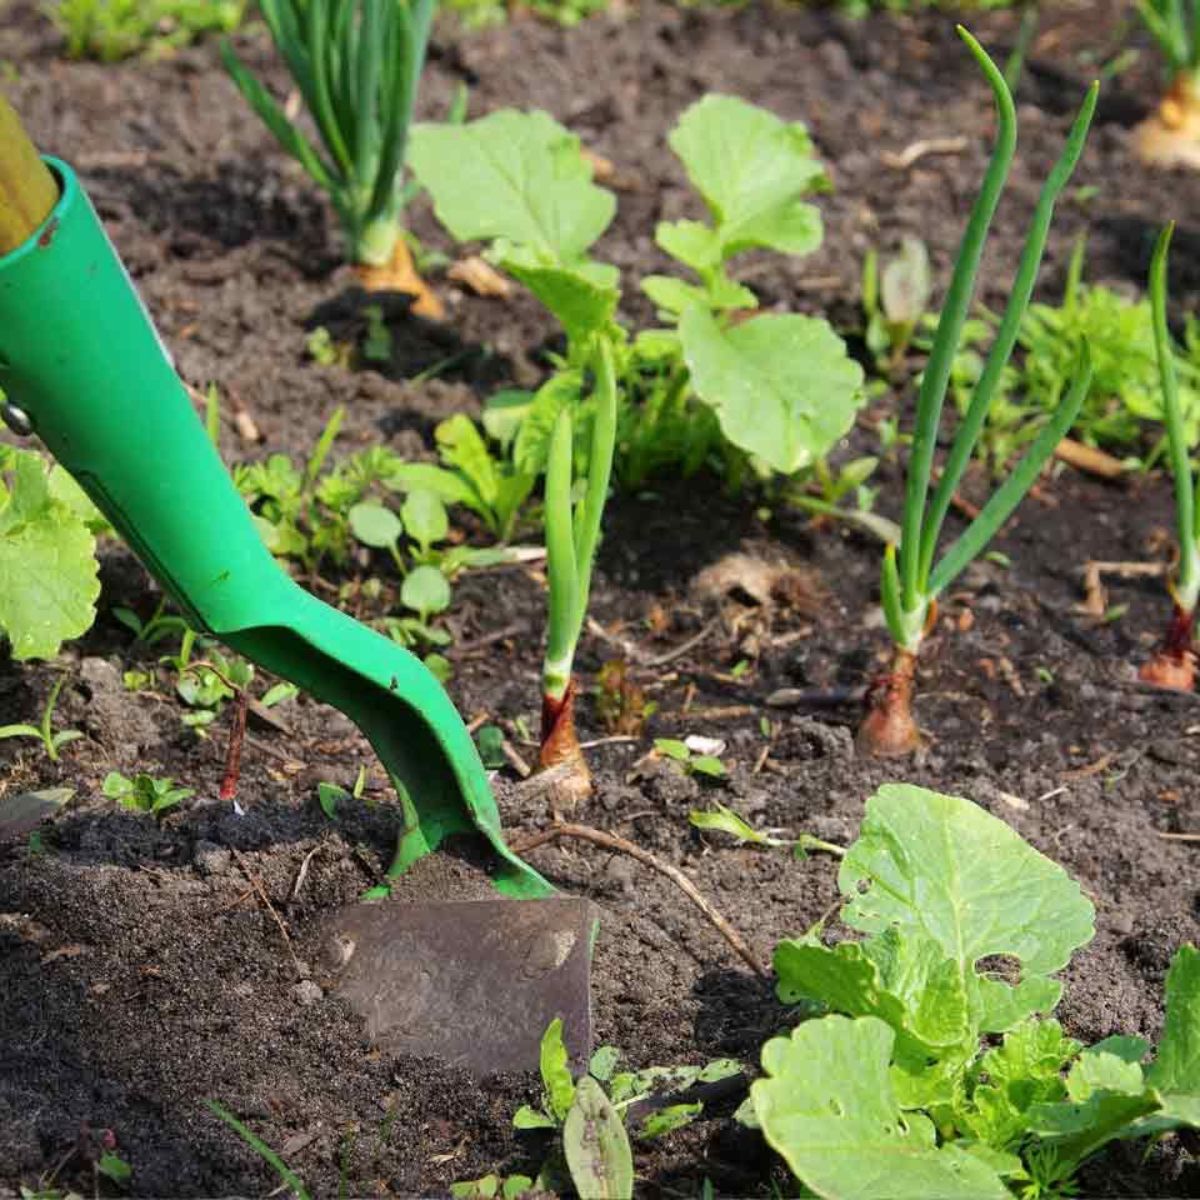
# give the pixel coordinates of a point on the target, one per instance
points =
(612, 841)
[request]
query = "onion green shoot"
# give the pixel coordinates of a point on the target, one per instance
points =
(1172, 135)
(913, 575)
(1174, 664)
(572, 535)
(357, 65)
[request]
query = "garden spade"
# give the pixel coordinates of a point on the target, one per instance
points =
(82, 366)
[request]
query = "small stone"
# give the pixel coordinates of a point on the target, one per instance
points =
(211, 859)
(306, 993)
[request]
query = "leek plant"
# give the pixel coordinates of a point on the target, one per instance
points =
(572, 535)
(1172, 135)
(357, 65)
(912, 579)
(1174, 666)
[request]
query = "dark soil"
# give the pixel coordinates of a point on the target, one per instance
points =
(141, 971)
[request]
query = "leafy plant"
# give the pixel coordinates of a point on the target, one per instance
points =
(114, 29)
(911, 580)
(1174, 665)
(588, 1115)
(779, 386)
(144, 793)
(52, 742)
(897, 1083)
(48, 572)
(357, 64)
(521, 183)
(895, 301)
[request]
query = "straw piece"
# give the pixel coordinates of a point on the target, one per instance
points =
(27, 189)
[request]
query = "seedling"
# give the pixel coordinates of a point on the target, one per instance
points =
(144, 793)
(357, 65)
(1172, 135)
(895, 301)
(911, 580)
(52, 742)
(942, 892)
(588, 1114)
(1174, 666)
(724, 820)
(330, 795)
(692, 761)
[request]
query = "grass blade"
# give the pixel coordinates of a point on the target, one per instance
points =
(950, 324)
(1006, 498)
(289, 1177)
(1006, 337)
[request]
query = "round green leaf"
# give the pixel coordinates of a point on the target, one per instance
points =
(425, 591)
(375, 525)
(424, 516)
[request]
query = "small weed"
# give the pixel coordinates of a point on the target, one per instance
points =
(144, 793)
(52, 742)
(694, 762)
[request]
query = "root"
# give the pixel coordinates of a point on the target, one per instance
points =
(1174, 666)
(400, 275)
(888, 729)
(568, 779)
(1171, 138)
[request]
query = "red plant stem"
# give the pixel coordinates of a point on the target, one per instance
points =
(233, 755)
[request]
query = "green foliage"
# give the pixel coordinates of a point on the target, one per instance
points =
(44, 732)
(144, 793)
(48, 572)
(721, 819)
(479, 14)
(287, 1176)
(110, 30)
(1173, 25)
(357, 65)
(591, 1146)
(911, 581)
(693, 762)
(897, 1083)
(1125, 394)
(779, 388)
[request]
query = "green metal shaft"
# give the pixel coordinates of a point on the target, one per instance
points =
(81, 359)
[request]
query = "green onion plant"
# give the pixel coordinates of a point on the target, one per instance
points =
(1174, 665)
(357, 65)
(572, 536)
(913, 574)
(1172, 135)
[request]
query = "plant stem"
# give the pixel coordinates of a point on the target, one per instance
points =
(28, 192)
(1186, 588)
(889, 730)
(561, 567)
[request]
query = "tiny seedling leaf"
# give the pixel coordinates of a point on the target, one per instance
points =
(375, 525)
(425, 591)
(672, 748)
(527, 1117)
(424, 517)
(596, 1146)
(725, 820)
(556, 1075)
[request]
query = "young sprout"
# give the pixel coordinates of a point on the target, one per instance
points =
(572, 535)
(911, 579)
(357, 64)
(1174, 666)
(1172, 135)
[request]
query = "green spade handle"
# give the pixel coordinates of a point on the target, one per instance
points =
(84, 368)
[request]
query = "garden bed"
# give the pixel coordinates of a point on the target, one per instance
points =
(141, 970)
